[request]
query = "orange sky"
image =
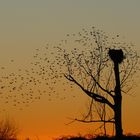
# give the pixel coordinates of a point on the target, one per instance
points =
(27, 25)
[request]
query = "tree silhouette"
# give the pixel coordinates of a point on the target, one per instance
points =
(8, 130)
(94, 68)
(102, 67)
(117, 57)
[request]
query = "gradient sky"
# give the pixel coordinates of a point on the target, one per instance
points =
(29, 24)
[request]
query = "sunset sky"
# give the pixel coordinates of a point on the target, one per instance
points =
(27, 25)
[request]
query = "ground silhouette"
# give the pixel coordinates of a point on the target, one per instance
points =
(98, 137)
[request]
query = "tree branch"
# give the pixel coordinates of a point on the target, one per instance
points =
(98, 121)
(105, 90)
(95, 96)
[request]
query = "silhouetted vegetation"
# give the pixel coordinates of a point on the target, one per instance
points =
(83, 60)
(90, 68)
(8, 130)
(98, 137)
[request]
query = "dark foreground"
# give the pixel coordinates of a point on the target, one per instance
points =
(132, 137)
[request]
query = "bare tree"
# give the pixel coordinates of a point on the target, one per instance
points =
(94, 68)
(102, 67)
(8, 130)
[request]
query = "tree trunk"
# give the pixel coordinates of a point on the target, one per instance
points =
(118, 103)
(118, 118)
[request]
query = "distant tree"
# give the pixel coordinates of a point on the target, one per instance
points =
(103, 68)
(8, 130)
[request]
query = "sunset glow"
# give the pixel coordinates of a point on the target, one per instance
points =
(26, 28)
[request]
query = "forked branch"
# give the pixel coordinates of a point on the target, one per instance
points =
(95, 96)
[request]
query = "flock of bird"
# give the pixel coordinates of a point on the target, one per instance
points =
(43, 77)
(45, 73)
